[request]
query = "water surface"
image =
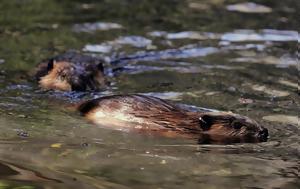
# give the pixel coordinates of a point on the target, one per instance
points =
(214, 54)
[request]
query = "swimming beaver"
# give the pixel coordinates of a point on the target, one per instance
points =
(156, 116)
(71, 71)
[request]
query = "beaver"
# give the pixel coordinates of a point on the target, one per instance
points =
(71, 71)
(153, 115)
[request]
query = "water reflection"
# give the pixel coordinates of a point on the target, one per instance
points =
(135, 41)
(264, 35)
(189, 51)
(249, 7)
(14, 172)
(235, 36)
(93, 27)
(185, 35)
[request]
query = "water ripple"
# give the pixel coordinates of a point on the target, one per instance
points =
(98, 26)
(264, 35)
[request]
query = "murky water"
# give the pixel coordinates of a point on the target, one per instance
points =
(214, 54)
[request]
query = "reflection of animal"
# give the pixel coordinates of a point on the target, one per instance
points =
(16, 172)
(156, 116)
(71, 72)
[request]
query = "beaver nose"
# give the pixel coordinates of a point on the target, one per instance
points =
(263, 134)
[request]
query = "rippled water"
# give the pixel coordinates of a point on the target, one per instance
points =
(213, 54)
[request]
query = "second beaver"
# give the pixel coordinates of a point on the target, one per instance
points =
(71, 71)
(156, 116)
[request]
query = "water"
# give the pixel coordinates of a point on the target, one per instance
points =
(197, 53)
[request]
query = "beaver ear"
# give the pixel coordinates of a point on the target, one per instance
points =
(100, 67)
(206, 121)
(51, 64)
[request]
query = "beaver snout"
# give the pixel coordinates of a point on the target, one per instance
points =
(263, 135)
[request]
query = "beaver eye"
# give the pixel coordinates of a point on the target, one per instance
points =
(236, 125)
(205, 122)
(62, 76)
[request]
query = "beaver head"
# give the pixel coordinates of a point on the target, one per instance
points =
(68, 76)
(231, 128)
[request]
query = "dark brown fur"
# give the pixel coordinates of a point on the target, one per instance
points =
(151, 114)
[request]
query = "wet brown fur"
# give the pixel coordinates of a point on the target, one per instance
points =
(63, 77)
(52, 81)
(71, 72)
(153, 115)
